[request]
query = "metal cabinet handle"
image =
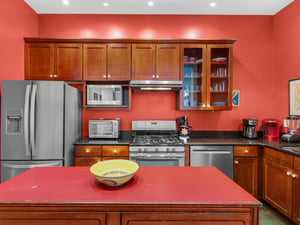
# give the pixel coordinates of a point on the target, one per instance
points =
(153, 76)
(246, 151)
(157, 76)
(208, 105)
(50, 75)
(115, 151)
(236, 162)
(204, 105)
(294, 176)
(108, 76)
(104, 76)
(55, 75)
(87, 151)
(288, 173)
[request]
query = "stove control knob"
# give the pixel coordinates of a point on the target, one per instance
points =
(173, 149)
(140, 150)
(168, 150)
(156, 149)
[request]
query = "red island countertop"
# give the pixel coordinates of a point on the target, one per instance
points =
(180, 185)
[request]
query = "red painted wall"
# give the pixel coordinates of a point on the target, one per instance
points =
(287, 54)
(17, 20)
(253, 61)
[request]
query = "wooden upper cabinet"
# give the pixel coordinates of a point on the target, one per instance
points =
(143, 61)
(68, 61)
(94, 62)
(119, 61)
(155, 62)
(39, 61)
(167, 62)
(48, 61)
(107, 62)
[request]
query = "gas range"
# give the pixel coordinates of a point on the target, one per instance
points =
(156, 143)
(156, 140)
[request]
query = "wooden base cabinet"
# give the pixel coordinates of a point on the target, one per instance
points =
(246, 165)
(87, 214)
(296, 190)
(279, 181)
(88, 155)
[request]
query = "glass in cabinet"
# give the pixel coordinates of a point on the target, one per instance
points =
(206, 74)
(193, 74)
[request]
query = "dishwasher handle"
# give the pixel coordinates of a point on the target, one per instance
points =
(212, 151)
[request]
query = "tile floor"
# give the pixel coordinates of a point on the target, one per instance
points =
(267, 216)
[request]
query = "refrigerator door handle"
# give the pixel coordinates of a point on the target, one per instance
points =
(29, 166)
(26, 119)
(32, 120)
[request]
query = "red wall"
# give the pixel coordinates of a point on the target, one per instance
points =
(253, 61)
(287, 57)
(17, 20)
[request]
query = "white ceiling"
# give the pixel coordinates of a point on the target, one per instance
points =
(194, 7)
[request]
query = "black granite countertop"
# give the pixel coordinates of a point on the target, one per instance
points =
(208, 138)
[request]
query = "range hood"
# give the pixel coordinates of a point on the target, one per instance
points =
(155, 85)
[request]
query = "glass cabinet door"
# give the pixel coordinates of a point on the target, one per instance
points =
(193, 72)
(219, 85)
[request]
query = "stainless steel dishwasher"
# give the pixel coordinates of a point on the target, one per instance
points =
(220, 156)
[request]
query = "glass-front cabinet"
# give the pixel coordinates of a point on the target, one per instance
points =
(206, 71)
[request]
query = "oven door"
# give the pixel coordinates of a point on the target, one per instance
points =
(158, 160)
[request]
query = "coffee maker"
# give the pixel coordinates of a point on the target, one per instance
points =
(292, 123)
(184, 129)
(249, 128)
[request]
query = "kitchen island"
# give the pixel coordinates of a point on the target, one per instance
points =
(154, 196)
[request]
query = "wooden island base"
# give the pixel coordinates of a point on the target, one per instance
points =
(71, 196)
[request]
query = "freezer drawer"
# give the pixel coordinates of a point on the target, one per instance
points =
(220, 157)
(10, 169)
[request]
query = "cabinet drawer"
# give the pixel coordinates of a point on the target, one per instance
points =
(86, 161)
(112, 157)
(88, 150)
(297, 163)
(279, 157)
(250, 151)
(117, 150)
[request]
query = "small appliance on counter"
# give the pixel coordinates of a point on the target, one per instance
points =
(184, 129)
(104, 128)
(271, 128)
(292, 123)
(249, 128)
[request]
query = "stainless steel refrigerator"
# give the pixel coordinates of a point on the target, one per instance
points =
(40, 120)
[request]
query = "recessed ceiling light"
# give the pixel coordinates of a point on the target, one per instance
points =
(150, 3)
(105, 4)
(213, 4)
(65, 2)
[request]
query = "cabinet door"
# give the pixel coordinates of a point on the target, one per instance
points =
(68, 61)
(296, 196)
(193, 74)
(246, 173)
(143, 62)
(119, 62)
(167, 62)
(219, 82)
(86, 161)
(39, 61)
(277, 186)
(94, 62)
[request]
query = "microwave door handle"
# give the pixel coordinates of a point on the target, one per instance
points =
(26, 119)
(32, 120)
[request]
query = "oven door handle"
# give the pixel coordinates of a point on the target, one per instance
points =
(156, 156)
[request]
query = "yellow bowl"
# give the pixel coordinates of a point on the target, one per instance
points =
(114, 172)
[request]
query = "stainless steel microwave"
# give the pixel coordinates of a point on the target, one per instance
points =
(104, 95)
(104, 128)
